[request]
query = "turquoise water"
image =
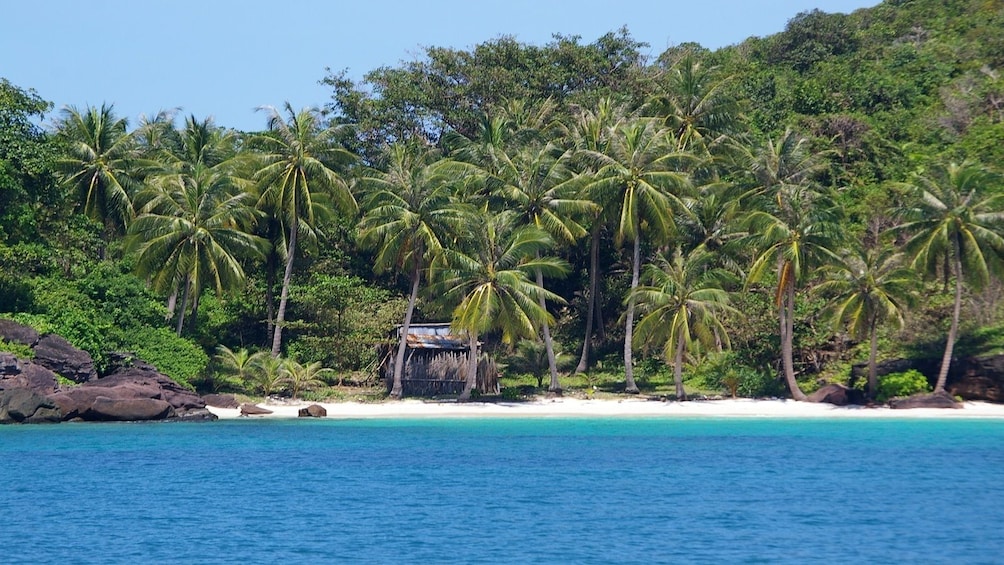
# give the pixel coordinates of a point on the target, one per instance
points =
(505, 491)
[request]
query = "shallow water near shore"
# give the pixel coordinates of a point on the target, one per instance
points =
(470, 490)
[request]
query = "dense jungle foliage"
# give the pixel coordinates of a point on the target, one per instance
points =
(753, 219)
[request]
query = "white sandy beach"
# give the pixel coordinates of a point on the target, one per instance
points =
(628, 407)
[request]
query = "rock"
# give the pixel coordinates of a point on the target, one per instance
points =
(252, 410)
(972, 378)
(18, 333)
(9, 365)
(313, 411)
(58, 355)
(127, 409)
(933, 400)
(34, 377)
(22, 405)
(221, 400)
(838, 395)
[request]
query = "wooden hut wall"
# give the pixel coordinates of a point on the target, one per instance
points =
(431, 372)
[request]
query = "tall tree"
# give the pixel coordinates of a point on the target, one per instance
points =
(298, 177)
(865, 288)
(100, 163)
(682, 301)
(793, 227)
(194, 229)
(956, 221)
(409, 210)
(641, 175)
(489, 282)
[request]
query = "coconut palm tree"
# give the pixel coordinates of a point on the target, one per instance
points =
(956, 221)
(298, 178)
(792, 226)
(409, 210)
(194, 231)
(865, 288)
(303, 377)
(642, 177)
(682, 304)
(489, 282)
(240, 363)
(101, 163)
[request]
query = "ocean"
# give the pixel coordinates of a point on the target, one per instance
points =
(540, 490)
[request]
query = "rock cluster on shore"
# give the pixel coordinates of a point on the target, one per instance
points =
(131, 390)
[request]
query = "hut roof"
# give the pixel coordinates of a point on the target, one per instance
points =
(431, 336)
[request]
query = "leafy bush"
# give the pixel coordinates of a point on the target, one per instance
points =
(724, 372)
(18, 350)
(174, 356)
(901, 384)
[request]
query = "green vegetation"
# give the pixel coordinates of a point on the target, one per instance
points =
(821, 197)
(901, 384)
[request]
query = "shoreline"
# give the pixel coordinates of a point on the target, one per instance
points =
(614, 408)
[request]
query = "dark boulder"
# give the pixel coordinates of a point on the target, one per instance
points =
(34, 377)
(252, 410)
(17, 333)
(312, 411)
(933, 400)
(838, 395)
(970, 378)
(127, 409)
(221, 400)
(22, 405)
(9, 365)
(58, 355)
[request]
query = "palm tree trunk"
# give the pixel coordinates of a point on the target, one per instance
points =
(280, 316)
(402, 347)
(946, 360)
(269, 290)
(472, 368)
(872, 355)
(629, 384)
(552, 363)
(184, 304)
(787, 314)
(678, 367)
(172, 302)
(594, 284)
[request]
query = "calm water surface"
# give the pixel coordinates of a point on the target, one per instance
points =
(505, 491)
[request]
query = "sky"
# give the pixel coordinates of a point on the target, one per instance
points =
(225, 58)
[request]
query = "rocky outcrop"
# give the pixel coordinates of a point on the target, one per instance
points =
(59, 356)
(127, 409)
(17, 333)
(934, 400)
(312, 411)
(24, 406)
(838, 395)
(221, 400)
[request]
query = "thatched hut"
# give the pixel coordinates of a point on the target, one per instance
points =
(435, 362)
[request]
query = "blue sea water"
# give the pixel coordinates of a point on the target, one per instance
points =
(539, 490)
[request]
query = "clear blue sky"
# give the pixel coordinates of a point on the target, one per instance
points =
(224, 58)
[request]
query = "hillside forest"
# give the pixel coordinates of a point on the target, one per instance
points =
(753, 220)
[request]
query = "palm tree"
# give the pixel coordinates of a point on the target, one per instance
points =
(794, 228)
(100, 163)
(194, 229)
(695, 103)
(956, 221)
(490, 285)
(297, 178)
(866, 288)
(639, 175)
(303, 377)
(410, 209)
(682, 301)
(270, 374)
(240, 363)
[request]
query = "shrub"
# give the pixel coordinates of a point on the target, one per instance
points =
(19, 350)
(174, 356)
(901, 384)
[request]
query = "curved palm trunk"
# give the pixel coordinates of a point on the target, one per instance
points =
(184, 305)
(786, 316)
(946, 360)
(402, 347)
(472, 368)
(552, 363)
(872, 356)
(678, 368)
(269, 293)
(594, 285)
(629, 384)
(280, 316)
